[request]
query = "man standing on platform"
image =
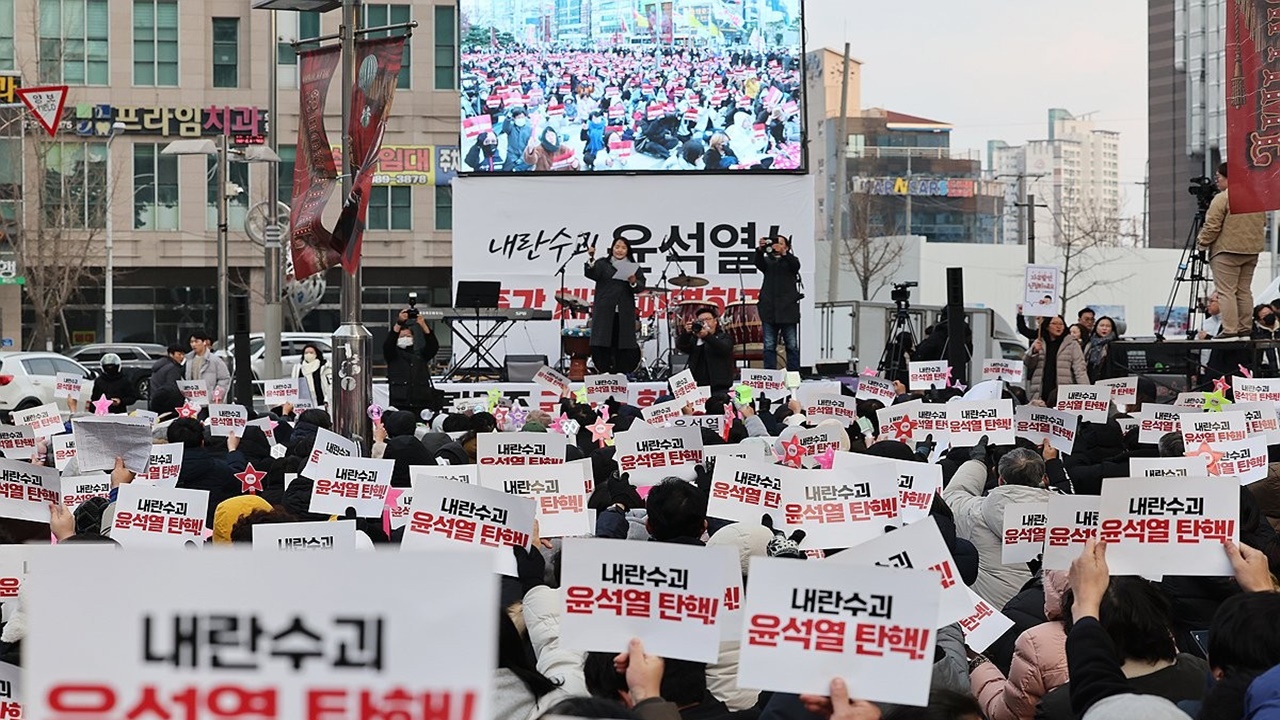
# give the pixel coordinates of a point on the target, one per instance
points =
(1232, 241)
(779, 303)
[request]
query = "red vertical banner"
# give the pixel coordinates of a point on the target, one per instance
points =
(1253, 104)
(314, 173)
(377, 67)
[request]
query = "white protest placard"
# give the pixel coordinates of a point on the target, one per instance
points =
(1169, 526)
(1124, 391)
(669, 594)
(343, 648)
(195, 392)
(560, 493)
(898, 422)
(164, 464)
(100, 440)
(520, 448)
(64, 449)
(227, 419)
(714, 423)
(771, 384)
(837, 509)
(1040, 424)
(663, 414)
(17, 440)
(918, 546)
(266, 425)
(1190, 466)
(918, 482)
(1251, 390)
(969, 420)
(815, 442)
(44, 420)
(71, 386)
(932, 419)
(1126, 424)
(652, 454)
(1009, 371)
(1190, 400)
(329, 443)
(279, 392)
(145, 415)
(730, 620)
(744, 490)
(1024, 530)
(468, 474)
(1245, 460)
(11, 690)
(1041, 293)
(78, 488)
(150, 515)
(603, 387)
(984, 625)
(1091, 402)
(819, 406)
(1261, 418)
(875, 388)
(808, 622)
(1156, 421)
(549, 378)
(340, 535)
(683, 386)
(985, 390)
(1213, 428)
(453, 514)
(26, 490)
(399, 503)
(926, 375)
(1072, 520)
(342, 483)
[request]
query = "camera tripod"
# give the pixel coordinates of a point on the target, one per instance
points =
(900, 341)
(1191, 269)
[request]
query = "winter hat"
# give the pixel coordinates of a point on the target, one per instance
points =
(398, 422)
(454, 453)
(406, 451)
(535, 427)
(229, 513)
(89, 516)
(844, 434)
(781, 545)
(750, 541)
(433, 441)
(892, 449)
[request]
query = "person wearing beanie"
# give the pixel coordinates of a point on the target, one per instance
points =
(229, 512)
(407, 452)
(88, 516)
(534, 427)
(399, 422)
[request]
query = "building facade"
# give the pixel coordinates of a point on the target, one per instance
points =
(163, 70)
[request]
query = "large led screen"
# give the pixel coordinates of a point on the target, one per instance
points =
(631, 86)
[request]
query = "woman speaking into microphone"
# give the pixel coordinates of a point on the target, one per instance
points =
(613, 315)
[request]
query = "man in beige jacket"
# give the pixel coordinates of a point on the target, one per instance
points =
(1233, 241)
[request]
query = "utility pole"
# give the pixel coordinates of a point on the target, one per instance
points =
(1029, 213)
(272, 318)
(224, 288)
(842, 185)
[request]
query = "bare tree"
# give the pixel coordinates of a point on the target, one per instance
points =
(870, 248)
(1087, 239)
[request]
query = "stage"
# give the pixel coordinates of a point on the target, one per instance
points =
(1182, 365)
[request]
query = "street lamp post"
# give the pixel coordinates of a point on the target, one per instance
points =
(109, 284)
(272, 318)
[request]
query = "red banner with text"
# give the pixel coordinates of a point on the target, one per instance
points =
(314, 173)
(1253, 104)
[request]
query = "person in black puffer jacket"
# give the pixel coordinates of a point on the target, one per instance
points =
(1099, 453)
(200, 470)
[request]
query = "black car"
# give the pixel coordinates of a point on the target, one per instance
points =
(136, 360)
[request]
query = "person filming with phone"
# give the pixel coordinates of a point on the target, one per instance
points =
(409, 369)
(780, 297)
(710, 351)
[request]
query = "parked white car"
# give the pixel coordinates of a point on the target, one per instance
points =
(28, 379)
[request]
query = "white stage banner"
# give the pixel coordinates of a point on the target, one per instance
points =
(524, 240)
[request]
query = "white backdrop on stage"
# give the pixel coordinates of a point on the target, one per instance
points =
(519, 231)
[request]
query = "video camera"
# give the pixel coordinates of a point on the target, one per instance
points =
(412, 311)
(901, 293)
(1204, 189)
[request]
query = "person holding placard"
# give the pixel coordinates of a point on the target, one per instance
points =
(201, 470)
(1054, 359)
(618, 277)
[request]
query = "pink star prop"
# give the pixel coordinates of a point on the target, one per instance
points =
(601, 432)
(1221, 385)
(959, 386)
(947, 373)
(250, 480)
(101, 405)
(1245, 372)
(189, 410)
(904, 427)
(500, 414)
(558, 424)
(793, 452)
(1213, 456)
(827, 458)
(869, 372)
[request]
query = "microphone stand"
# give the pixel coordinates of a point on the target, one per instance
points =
(566, 309)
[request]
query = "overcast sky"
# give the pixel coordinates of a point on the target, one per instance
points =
(993, 68)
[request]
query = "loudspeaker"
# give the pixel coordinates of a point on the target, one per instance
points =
(522, 368)
(957, 349)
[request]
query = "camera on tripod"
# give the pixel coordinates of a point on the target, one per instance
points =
(1203, 189)
(412, 311)
(901, 293)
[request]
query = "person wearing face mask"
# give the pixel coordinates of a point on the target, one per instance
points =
(519, 133)
(113, 385)
(409, 370)
(484, 156)
(593, 136)
(545, 153)
(743, 138)
(317, 373)
(1266, 327)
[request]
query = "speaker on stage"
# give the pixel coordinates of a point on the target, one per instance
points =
(522, 368)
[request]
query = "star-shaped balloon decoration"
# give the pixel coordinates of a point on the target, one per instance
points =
(826, 458)
(557, 424)
(1215, 402)
(904, 427)
(217, 395)
(101, 405)
(517, 417)
(580, 396)
(494, 397)
(1221, 384)
(250, 480)
(1245, 372)
(601, 431)
(793, 452)
(500, 414)
(959, 386)
(189, 410)
(1209, 454)
(869, 372)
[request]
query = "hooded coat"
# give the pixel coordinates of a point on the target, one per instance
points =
(980, 520)
(1039, 662)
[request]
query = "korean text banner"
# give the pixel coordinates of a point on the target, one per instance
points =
(317, 644)
(652, 85)
(1252, 137)
(524, 239)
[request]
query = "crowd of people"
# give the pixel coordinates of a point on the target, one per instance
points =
(631, 108)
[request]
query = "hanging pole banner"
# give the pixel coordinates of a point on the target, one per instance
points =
(1253, 102)
(314, 173)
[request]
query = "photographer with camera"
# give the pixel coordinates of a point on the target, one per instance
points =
(1232, 242)
(780, 296)
(710, 351)
(409, 370)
